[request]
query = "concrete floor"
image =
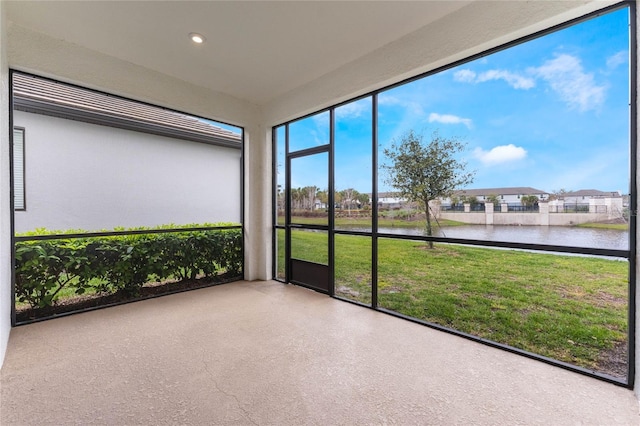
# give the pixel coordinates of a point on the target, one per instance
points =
(264, 353)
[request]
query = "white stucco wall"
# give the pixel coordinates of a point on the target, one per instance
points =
(258, 216)
(5, 211)
(85, 176)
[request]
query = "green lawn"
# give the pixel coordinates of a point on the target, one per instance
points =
(355, 222)
(565, 307)
(616, 226)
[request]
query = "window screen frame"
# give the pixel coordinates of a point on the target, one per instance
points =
(19, 173)
(631, 253)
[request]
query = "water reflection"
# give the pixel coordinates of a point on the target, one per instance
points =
(552, 235)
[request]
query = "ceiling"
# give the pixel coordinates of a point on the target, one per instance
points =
(255, 50)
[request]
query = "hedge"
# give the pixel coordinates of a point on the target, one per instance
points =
(122, 264)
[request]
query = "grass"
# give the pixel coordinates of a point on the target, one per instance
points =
(359, 222)
(569, 308)
(565, 307)
(616, 226)
(65, 293)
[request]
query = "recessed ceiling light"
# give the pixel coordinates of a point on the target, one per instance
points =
(197, 38)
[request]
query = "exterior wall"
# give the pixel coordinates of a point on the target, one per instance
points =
(583, 199)
(484, 218)
(541, 218)
(509, 199)
(612, 205)
(512, 199)
(576, 200)
(258, 195)
(5, 211)
(504, 198)
(564, 219)
(85, 176)
(514, 218)
(472, 218)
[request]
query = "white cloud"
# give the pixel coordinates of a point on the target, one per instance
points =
(500, 154)
(567, 78)
(386, 99)
(412, 107)
(465, 76)
(619, 58)
(354, 109)
(449, 119)
(514, 80)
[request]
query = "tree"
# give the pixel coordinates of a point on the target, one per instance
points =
(494, 199)
(469, 199)
(422, 172)
(363, 201)
(558, 194)
(529, 200)
(295, 198)
(323, 197)
(309, 193)
(349, 198)
(280, 200)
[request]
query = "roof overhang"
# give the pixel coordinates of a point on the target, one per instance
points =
(42, 96)
(264, 60)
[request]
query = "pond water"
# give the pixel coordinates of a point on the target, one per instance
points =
(551, 235)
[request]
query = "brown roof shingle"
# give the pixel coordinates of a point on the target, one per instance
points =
(39, 95)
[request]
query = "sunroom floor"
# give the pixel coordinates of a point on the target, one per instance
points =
(266, 353)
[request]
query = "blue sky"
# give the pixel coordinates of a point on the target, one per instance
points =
(550, 113)
(224, 126)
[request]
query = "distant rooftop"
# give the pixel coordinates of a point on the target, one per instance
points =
(591, 193)
(516, 190)
(43, 96)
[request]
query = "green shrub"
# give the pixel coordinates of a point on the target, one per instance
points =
(44, 268)
(122, 264)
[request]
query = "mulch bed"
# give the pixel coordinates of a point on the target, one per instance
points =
(614, 361)
(26, 314)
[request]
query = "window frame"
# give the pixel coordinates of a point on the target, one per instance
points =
(23, 206)
(630, 254)
(241, 147)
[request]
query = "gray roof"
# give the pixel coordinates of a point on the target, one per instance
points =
(517, 190)
(591, 193)
(43, 96)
